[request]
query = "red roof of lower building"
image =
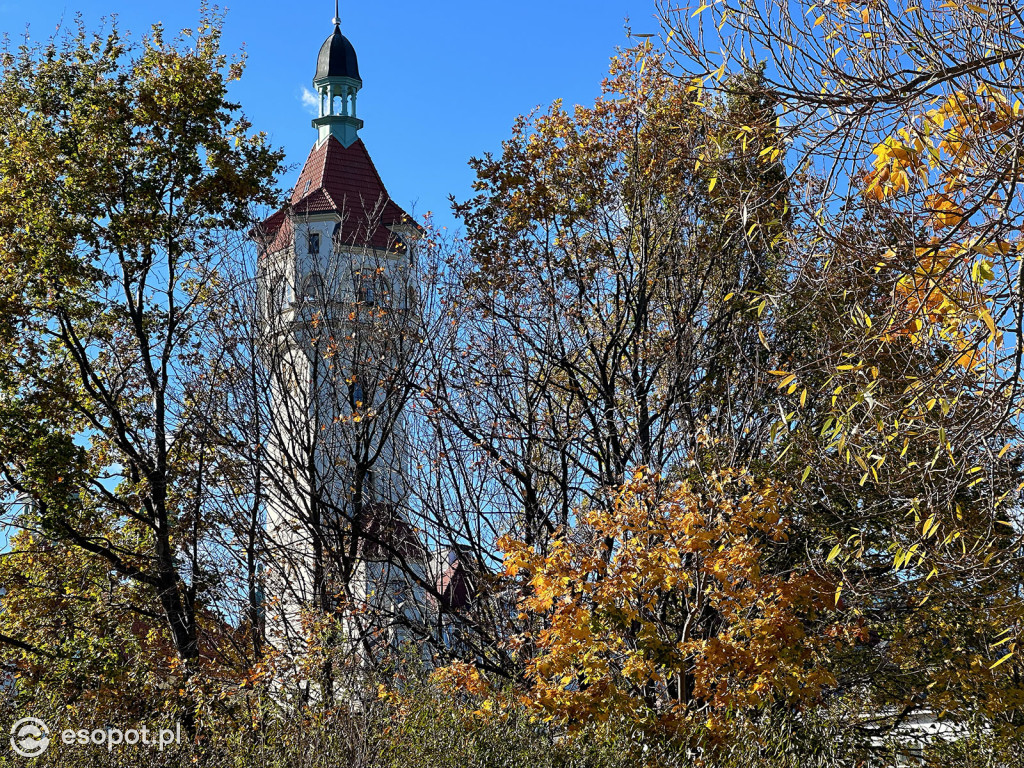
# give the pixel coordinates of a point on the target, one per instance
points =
(341, 180)
(386, 535)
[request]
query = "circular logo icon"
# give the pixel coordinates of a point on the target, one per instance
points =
(30, 737)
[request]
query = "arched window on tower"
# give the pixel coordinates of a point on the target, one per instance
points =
(314, 288)
(372, 288)
(356, 396)
(366, 288)
(278, 298)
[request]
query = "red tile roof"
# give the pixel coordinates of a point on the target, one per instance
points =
(387, 535)
(342, 180)
(454, 587)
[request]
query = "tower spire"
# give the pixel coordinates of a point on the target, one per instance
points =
(337, 82)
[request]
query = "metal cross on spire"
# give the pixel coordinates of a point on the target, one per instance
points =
(337, 15)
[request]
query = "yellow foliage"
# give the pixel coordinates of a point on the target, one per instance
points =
(954, 142)
(896, 163)
(461, 676)
(663, 606)
(945, 212)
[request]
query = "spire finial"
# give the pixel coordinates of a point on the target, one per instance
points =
(337, 15)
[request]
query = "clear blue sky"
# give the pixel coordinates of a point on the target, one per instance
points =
(441, 81)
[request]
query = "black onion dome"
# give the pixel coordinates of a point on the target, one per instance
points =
(337, 57)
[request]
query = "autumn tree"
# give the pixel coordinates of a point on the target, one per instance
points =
(901, 352)
(883, 324)
(668, 610)
(598, 317)
(123, 162)
(599, 323)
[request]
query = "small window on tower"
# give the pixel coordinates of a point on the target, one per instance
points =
(306, 189)
(314, 244)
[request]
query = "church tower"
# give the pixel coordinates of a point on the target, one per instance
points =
(337, 304)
